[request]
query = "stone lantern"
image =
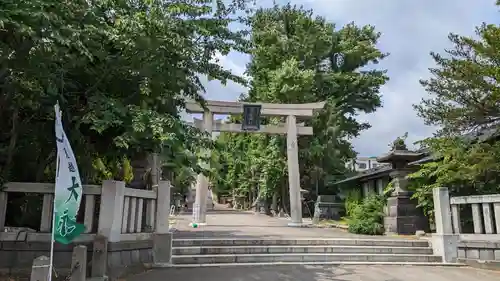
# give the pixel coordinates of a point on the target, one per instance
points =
(402, 215)
(303, 192)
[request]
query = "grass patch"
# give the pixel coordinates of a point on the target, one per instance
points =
(342, 221)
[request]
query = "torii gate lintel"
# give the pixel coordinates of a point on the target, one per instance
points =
(290, 128)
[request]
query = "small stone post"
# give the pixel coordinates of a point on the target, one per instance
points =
(111, 210)
(317, 212)
(162, 237)
(99, 256)
(40, 269)
(79, 263)
(444, 241)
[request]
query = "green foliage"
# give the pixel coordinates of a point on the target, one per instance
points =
(464, 89)
(466, 168)
(126, 169)
(464, 95)
(389, 189)
(352, 201)
(299, 58)
(368, 216)
(120, 71)
(463, 99)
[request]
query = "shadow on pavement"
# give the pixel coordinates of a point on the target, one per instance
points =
(250, 273)
(219, 212)
(186, 234)
(228, 223)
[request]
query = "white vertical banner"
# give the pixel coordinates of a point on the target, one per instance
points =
(68, 190)
(67, 193)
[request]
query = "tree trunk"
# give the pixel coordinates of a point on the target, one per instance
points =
(284, 198)
(145, 168)
(274, 204)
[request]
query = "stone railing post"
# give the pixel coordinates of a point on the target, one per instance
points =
(162, 237)
(444, 241)
(111, 210)
(163, 207)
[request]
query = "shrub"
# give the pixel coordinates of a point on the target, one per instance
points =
(352, 200)
(367, 217)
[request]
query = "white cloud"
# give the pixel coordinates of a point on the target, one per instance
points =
(410, 30)
(229, 64)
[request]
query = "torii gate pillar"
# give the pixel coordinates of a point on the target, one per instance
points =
(292, 154)
(200, 203)
(291, 129)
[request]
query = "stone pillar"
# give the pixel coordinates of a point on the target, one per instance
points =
(162, 237)
(293, 172)
(444, 241)
(380, 186)
(111, 210)
(200, 204)
(369, 188)
(403, 216)
(163, 207)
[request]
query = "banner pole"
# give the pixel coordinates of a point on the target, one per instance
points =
(53, 229)
(52, 232)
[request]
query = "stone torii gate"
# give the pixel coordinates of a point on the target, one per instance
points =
(251, 123)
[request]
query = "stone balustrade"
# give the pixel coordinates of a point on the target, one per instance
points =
(128, 220)
(480, 247)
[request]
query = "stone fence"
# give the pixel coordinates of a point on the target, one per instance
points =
(479, 248)
(124, 229)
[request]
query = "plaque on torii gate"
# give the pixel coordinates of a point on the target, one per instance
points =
(251, 123)
(251, 117)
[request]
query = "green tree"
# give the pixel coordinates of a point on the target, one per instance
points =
(299, 58)
(464, 103)
(464, 90)
(120, 71)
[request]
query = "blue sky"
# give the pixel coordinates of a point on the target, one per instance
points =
(410, 30)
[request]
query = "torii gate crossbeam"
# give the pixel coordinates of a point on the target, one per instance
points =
(290, 128)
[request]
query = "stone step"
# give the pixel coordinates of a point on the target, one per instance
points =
(311, 241)
(301, 257)
(274, 249)
(257, 264)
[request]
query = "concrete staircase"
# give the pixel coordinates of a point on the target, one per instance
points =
(219, 252)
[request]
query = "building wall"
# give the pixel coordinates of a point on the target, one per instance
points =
(363, 163)
(375, 186)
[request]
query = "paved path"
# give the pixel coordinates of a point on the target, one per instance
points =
(319, 273)
(225, 223)
(231, 224)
